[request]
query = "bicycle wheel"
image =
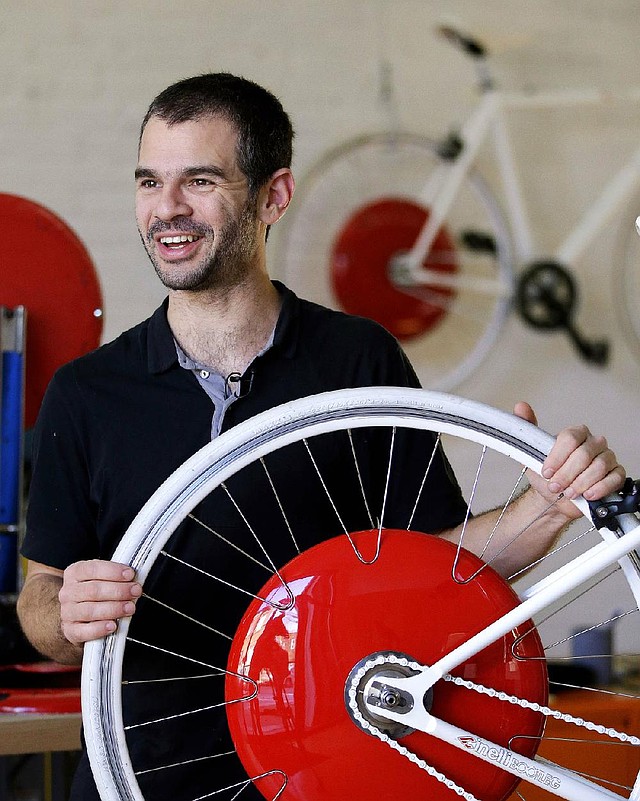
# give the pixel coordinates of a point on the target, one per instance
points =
(364, 203)
(335, 607)
(626, 281)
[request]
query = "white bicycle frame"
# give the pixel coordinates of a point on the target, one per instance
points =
(488, 121)
(544, 774)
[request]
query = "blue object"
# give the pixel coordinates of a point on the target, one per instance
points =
(10, 467)
(593, 649)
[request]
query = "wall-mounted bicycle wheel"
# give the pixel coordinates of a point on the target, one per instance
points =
(363, 204)
(48, 270)
(626, 279)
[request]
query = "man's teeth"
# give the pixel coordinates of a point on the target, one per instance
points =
(177, 240)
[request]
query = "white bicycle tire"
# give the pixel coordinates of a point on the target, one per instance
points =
(625, 285)
(380, 406)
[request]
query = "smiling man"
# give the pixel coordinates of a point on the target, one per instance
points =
(203, 223)
(196, 215)
(213, 175)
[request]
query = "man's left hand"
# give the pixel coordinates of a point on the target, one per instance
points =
(579, 463)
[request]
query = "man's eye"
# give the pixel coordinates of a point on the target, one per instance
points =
(147, 183)
(202, 182)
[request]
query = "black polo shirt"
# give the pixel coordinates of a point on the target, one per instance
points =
(115, 423)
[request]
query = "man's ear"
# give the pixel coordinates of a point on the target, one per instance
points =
(276, 196)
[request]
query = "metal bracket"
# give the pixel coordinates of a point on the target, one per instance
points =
(606, 510)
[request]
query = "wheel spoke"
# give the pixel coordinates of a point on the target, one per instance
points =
(277, 671)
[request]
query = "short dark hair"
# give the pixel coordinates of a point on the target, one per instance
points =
(265, 133)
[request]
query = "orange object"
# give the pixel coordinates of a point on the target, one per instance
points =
(603, 761)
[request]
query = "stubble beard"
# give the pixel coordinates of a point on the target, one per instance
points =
(223, 267)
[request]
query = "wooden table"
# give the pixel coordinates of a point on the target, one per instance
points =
(52, 737)
(30, 733)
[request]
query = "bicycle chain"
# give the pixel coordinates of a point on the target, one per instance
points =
(383, 659)
(545, 710)
(376, 732)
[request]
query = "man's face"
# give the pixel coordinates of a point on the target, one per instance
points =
(193, 210)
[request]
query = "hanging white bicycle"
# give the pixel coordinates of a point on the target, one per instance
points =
(377, 663)
(404, 229)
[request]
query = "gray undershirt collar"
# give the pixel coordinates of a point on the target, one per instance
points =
(222, 390)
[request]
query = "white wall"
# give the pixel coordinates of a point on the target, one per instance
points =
(76, 77)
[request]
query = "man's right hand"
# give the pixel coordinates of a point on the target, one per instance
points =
(94, 596)
(61, 610)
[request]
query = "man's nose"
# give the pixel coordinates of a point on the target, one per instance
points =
(172, 203)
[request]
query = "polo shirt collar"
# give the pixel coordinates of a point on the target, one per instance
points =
(161, 351)
(285, 337)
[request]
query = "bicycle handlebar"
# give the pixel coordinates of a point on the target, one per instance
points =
(469, 45)
(472, 47)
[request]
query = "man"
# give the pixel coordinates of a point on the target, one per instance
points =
(213, 175)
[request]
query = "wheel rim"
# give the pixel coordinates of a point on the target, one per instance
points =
(111, 760)
(626, 284)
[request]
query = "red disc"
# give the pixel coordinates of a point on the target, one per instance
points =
(297, 723)
(53, 701)
(360, 261)
(47, 269)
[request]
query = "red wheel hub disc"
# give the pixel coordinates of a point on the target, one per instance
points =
(360, 261)
(47, 269)
(297, 722)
